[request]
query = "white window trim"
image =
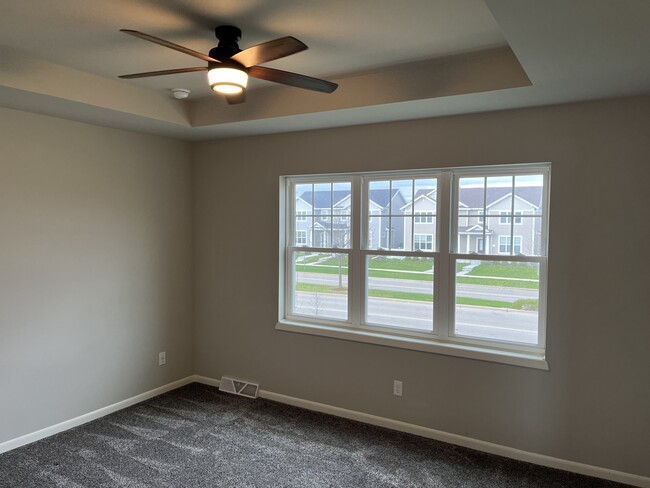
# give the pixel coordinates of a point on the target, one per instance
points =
(504, 217)
(427, 215)
(510, 252)
(441, 341)
(305, 236)
(302, 215)
(426, 243)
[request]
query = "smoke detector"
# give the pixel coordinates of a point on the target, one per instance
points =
(180, 93)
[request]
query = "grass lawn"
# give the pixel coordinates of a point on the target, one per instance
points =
(468, 280)
(526, 304)
(506, 271)
(409, 264)
(421, 297)
(374, 273)
(334, 261)
(312, 258)
(385, 268)
(320, 269)
(380, 273)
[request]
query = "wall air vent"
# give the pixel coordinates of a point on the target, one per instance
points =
(238, 387)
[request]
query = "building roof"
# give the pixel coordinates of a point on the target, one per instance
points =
(322, 198)
(473, 197)
(473, 229)
(470, 197)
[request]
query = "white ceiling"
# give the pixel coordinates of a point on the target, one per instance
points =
(569, 49)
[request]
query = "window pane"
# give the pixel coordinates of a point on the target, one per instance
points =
(400, 292)
(379, 197)
(302, 234)
(469, 214)
(323, 199)
(529, 191)
(426, 191)
(341, 232)
(320, 285)
(530, 231)
(397, 230)
(322, 231)
(402, 196)
(377, 237)
(342, 198)
(303, 200)
(497, 300)
(493, 196)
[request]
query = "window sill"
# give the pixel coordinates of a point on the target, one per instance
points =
(416, 344)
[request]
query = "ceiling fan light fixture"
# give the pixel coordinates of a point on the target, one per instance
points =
(227, 80)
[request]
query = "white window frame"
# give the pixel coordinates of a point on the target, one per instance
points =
(303, 233)
(505, 217)
(511, 246)
(442, 339)
(428, 244)
(302, 215)
(423, 216)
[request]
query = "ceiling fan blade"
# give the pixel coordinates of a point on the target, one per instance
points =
(292, 79)
(164, 72)
(168, 44)
(236, 98)
(268, 51)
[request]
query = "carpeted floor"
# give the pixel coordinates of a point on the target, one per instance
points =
(198, 437)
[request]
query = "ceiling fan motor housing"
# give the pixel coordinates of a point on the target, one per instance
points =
(228, 36)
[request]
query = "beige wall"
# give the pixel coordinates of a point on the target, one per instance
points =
(95, 267)
(592, 406)
(96, 276)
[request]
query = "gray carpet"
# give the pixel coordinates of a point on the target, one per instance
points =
(198, 437)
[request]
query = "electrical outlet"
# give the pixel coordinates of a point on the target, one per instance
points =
(397, 388)
(162, 358)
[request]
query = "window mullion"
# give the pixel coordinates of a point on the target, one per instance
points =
(442, 279)
(356, 281)
(413, 216)
(332, 215)
(485, 219)
(389, 244)
(512, 219)
(313, 218)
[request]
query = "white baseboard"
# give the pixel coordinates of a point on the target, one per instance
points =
(459, 440)
(82, 419)
(509, 452)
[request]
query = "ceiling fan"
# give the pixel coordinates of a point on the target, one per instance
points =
(229, 67)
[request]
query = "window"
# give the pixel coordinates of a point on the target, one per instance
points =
(481, 217)
(506, 217)
(301, 215)
(460, 288)
(423, 242)
(505, 245)
(423, 217)
(301, 237)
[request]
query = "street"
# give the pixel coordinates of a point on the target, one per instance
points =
(488, 323)
(470, 291)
